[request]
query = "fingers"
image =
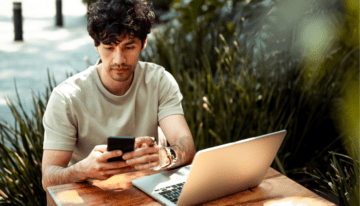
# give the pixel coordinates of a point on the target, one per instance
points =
(102, 163)
(107, 155)
(141, 152)
(100, 148)
(140, 141)
(99, 168)
(144, 162)
(143, 159)
(113, 165)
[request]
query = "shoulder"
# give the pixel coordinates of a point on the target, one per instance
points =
(76, 84)
(152, 71)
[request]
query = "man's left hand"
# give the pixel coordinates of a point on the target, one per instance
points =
(144, 156)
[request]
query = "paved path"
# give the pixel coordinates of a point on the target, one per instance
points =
(45, 46)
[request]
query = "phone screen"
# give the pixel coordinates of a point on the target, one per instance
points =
(123, 143)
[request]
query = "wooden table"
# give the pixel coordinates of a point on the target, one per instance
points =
(276, 189)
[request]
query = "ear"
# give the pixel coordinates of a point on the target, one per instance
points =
(97, 49)
(144, 46)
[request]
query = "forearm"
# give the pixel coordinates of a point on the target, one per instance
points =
(185, 150)
(57, 175)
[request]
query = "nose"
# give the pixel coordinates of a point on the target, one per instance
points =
(119, 57)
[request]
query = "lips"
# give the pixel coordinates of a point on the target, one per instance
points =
(119, 68)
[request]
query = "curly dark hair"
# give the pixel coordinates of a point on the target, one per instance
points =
(110, 19)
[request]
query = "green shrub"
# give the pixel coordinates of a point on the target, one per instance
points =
(161, 4)
(343, 181)
(241, 103)
(343, 178)
(21, 149)
(251, 90)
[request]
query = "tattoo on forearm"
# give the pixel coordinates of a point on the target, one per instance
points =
(181, 143)
(183, 149)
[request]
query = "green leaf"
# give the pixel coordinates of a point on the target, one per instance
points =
(217, 138)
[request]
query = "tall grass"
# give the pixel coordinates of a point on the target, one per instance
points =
(235, 96)
(20, 163)
(343, 178)
(343, 181)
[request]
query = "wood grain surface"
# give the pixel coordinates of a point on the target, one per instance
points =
(276, 189)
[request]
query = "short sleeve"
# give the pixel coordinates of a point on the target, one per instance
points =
(169, 96)
(58, 121)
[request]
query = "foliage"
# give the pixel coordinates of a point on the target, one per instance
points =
(21, 151)
(344, 182)
(343, 179)
(240, 103)
(270, 23)
(247, 90)
(161, 4)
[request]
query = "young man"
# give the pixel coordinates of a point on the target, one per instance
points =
(119, 95)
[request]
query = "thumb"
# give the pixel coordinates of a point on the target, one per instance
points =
(101, 148)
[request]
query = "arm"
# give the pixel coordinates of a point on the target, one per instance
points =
(95, 166)
(55, 170)
(179, 137)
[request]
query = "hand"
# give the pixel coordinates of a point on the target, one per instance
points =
(143, 157)
(141, 142)
(95, 166)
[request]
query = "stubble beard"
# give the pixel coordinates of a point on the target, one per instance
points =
(119, 77)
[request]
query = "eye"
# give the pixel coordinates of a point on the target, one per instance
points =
(129, 48)
(108, 48)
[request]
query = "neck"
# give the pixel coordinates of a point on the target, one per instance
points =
(114, 87)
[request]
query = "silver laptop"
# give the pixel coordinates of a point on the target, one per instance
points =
(215, 172)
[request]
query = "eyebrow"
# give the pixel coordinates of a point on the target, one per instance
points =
(130, 42)
(125, 44)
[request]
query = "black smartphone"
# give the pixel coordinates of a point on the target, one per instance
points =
(123, 143)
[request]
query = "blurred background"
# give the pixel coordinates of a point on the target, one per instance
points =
(245, 68)
(44, 46)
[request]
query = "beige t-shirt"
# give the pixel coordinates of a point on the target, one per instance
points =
(82, 113)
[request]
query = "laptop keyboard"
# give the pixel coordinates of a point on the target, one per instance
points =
(171, 192)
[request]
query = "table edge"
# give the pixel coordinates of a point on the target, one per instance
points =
(53, 197)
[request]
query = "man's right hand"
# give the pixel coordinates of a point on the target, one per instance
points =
(55, 169)
(95, 166)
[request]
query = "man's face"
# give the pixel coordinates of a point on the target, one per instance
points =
(119, 61)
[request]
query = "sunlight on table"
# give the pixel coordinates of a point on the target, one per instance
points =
(71, 197)
(297, 201)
